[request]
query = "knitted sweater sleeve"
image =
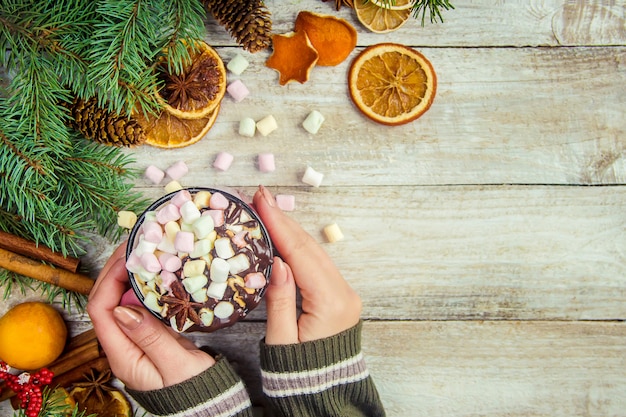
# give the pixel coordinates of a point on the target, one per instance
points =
(217, 391)
(326, 377)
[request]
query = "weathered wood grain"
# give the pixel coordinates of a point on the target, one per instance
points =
(501, 116)
(471, 369)
(478, 23)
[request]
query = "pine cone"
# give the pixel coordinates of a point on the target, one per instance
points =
(248, 22)
(103, 126)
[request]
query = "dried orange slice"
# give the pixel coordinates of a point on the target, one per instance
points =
(333, 38)
(293, 57)
(199, 89)
(391, 83)
(380, 19)
(397, 5)
(168, 131)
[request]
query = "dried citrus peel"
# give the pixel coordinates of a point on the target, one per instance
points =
(333, 38)
(317, 40)
(293, 57)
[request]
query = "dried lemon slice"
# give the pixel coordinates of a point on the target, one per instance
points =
(380, 19)
(394, 5)
(391, 83)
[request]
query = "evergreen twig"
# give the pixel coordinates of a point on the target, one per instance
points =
(420, 7)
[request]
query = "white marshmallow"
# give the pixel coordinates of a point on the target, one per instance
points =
(266, 125)
(313, 122)
(206, 316)
(203, 226)
(247, 127)
(144, 247)
(223, 248)
(201, 248)
(238, 263)
(238, 64)
(312, 177)
(195, 267)
(195, 283)
(199, 296)
(217, 290)
(189, 212)
(151, 301)
(223, 310)
(219, 270)
(167, 245)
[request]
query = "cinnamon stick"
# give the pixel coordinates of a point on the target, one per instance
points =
(40, 252)
(35, 269)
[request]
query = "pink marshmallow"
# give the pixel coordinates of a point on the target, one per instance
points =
(266, 162)
(218, 202)
(169, 262)
(286, 202)
(167, 279)
(152, 232)
(240, 239)
(218, 216)
(184, 241)
(223, 161)
(237, 90)
(130, 299)
(255, 280)
(177, 170)
(181, 198)
(154, 174)
(133, 263)
(167, 214)
(150, 262)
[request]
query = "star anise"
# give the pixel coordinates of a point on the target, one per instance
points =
(97, 385)
(194, 87)
(339, 3)
(179, 305)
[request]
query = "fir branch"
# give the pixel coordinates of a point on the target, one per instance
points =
(10, 280)
(185, 24)
(422, 6)
(54, 405)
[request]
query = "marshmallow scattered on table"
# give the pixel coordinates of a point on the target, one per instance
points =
(237, 90)
(172, 186)
(313, 122)
(126, 219)
(312, 177)
(286, 202)
(247, 127)
(177, 170)
(266, 162)
(154, 174)
(266, 125)
(223, 161)
(238, 64)
(333, 233)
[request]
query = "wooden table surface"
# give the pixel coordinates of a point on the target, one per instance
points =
(487, 238)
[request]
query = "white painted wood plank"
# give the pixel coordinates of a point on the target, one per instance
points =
(524, 116)
(476, 23)
(470, 253)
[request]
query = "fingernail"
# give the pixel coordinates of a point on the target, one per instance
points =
(127, 317)
(279, 272)
(267, 196)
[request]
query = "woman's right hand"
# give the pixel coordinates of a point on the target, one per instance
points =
(329, 304)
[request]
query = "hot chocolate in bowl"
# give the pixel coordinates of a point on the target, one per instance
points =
(200, 259)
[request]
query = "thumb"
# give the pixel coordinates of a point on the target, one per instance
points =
(280, 301)
(159, 344)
